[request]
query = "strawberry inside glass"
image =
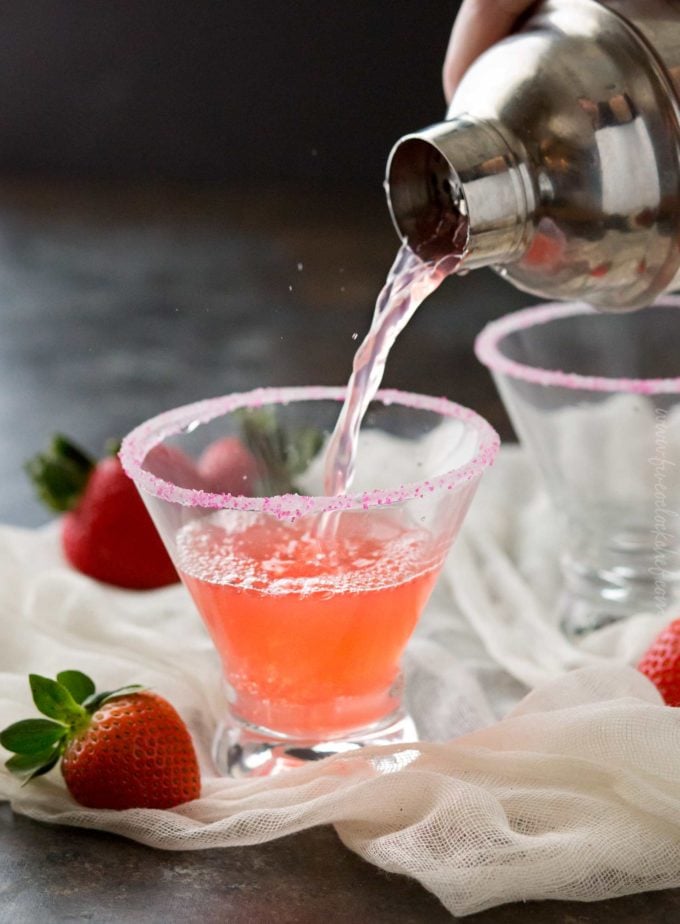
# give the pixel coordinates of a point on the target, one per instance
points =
(309, 600)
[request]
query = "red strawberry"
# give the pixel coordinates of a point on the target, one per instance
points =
(227, 467)
(661, 663)
(107, 532)
(119, 750)
(175, 466)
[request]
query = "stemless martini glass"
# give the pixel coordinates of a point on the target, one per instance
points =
(595, 398)
(309, 600)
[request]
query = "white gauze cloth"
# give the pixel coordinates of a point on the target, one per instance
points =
(569, 792)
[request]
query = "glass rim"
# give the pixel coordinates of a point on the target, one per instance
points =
(138, 443)
(488, 351)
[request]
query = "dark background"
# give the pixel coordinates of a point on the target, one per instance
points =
(191, 203)
(289, 90)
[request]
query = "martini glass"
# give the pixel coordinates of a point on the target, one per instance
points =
(309, 600)
(595, 398)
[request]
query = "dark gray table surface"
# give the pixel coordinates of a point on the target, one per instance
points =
(119, 302)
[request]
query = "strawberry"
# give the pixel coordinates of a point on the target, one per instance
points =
(173, 465)
(107, 532)
(227, 467)
(661, 663)
(124, 749)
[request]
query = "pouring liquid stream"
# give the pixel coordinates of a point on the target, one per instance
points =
(409, 282)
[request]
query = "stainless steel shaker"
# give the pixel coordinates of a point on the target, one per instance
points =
(561, 154)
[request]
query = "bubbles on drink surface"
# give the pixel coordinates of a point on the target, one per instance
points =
(274, 557)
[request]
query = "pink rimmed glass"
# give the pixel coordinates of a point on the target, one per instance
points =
(596, 400)
(309, 600)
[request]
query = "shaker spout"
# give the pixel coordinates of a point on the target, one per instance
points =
(558, 164)
(458, 184)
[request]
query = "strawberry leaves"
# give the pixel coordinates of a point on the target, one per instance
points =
(54, 700)
(39, 743)
(284, 453)
(69, 702)
(60, 473)
(79, 685)
(37, 746)
(32, 735)
(28, 766)
(94, 701)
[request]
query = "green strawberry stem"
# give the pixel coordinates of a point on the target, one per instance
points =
(69, 702)
(60, 474)
(112, 446)
(284, 453)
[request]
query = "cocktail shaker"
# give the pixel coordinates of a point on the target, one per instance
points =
(561, 154)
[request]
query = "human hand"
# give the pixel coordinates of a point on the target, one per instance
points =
(479, 24)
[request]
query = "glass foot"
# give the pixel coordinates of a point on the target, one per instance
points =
(241, 750)
(579, 616)
(596, 597)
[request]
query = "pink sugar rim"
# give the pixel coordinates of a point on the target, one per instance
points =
(488, 351)
(143, 438)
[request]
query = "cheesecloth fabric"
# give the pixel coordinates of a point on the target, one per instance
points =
(546, 769)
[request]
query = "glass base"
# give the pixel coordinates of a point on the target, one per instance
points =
(594, 598)
(242, 750)
(581, 615)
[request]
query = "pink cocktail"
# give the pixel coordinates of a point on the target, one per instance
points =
(310, 628)
(310, 600)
